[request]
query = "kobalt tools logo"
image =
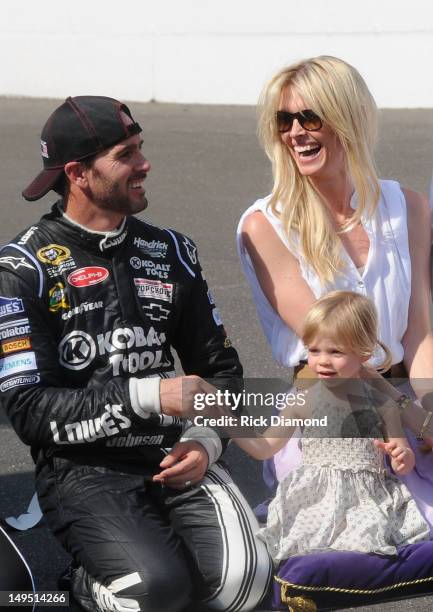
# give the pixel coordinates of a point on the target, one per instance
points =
(153, 248)
(147, 288)
(77, 350)
(109, 424)
(150, 267)
(85, 277)
(10, 306)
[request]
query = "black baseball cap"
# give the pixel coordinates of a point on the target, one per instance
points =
(81, 127)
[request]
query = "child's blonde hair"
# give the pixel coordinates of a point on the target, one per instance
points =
(350, 320)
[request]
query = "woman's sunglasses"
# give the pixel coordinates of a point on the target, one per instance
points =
(306, 118)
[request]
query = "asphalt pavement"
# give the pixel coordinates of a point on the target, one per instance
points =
(207, 167)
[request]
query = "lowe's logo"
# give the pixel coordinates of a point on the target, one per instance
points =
(10, 306)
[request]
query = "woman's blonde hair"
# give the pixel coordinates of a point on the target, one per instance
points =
(350, 320)
(336, 92)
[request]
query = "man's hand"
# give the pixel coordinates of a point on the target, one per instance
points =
(402, 457)
(177, 394)
(184, 466)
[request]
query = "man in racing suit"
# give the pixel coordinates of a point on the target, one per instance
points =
(92, 301)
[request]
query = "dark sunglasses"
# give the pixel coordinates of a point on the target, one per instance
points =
(306, 118)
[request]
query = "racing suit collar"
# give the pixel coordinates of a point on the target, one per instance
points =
(102, 242)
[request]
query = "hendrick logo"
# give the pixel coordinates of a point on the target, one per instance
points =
(153, 248)
(86, 277)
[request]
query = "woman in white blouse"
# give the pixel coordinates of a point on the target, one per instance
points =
(330, 223)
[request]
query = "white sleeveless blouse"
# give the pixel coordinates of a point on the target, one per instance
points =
(386, 278)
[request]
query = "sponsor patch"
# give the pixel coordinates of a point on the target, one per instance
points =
(21, 344)
(84, 307)
(17, 363)
(216, 316)
(57, 298)
(16, 262)
(86, 277)
(53, 254)
(153, 248)
(191, 250)
(29, 233)
(110, 423)
(12, 329)
(147, 288)
(31, 379)
(10, 306)
(156, 312)
(150, 267)
(78, 349)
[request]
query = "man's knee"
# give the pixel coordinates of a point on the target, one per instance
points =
(243, 587)
(133, 592)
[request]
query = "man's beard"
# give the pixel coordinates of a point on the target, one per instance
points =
(108, 196)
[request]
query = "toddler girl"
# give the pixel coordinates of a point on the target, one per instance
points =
(341, 497)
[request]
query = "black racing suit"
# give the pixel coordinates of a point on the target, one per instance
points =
(80, 315)
(87, 325)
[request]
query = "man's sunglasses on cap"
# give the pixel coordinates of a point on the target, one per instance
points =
(306, 118)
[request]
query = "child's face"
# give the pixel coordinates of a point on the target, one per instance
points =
(330, 361)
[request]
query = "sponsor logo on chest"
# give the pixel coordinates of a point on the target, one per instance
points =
(78, 349)
(153, 248)
(150, 267)
(88, 276)
(152, 289)
(57, 258)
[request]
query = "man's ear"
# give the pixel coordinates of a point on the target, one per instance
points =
(76, 173)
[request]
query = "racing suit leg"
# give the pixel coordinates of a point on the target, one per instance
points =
(128, 557)
(231, 569)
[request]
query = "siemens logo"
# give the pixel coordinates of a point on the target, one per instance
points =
(18, 363)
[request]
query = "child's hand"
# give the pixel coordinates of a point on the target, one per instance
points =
(402, 457)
